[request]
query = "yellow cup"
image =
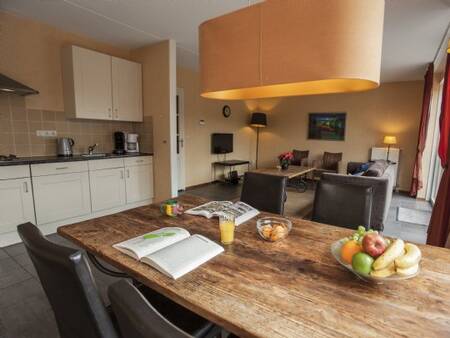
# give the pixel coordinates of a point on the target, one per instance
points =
(226, 225)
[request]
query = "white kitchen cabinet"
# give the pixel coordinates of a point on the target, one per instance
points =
(127, 90)
(16, 205)
(139, 182)
(107, 188)
(99, 86)
(62, 196)
(87, 84)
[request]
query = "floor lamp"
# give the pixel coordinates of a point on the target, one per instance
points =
(389, 140)
(258, 121)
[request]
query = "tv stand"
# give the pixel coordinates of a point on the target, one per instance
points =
(230, 164)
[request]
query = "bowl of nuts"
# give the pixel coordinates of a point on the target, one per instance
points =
(273, 229)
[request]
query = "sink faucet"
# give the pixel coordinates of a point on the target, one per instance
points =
(91, 148)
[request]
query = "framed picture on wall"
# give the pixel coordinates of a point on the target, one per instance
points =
(327, 126)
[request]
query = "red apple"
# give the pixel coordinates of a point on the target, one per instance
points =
(373, 244)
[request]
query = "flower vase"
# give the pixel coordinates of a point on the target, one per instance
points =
(284, 165)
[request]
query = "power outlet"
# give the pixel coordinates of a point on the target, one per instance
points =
(46, 133)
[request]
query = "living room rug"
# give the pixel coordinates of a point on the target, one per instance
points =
(415, 216)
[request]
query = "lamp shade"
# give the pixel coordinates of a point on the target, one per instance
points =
(289, 47)
(390, 140)
(259, 120)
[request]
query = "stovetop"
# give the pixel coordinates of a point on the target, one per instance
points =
(10, 157)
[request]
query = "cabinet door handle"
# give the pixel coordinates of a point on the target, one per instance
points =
(25, 187)
(61, 168)
(121, 174)
(128, 173)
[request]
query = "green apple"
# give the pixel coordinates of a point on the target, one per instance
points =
(362, 263)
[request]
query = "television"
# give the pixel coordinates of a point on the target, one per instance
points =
(221, 143)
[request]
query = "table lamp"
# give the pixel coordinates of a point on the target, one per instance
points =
(389, 140)
(258, 121)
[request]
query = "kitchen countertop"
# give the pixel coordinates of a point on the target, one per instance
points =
(53, 159)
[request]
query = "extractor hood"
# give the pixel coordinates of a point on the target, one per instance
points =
(9, 85)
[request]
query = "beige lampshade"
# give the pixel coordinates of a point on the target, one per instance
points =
(291, 47)
(390, 140)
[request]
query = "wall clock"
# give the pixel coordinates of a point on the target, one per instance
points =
(226, 111)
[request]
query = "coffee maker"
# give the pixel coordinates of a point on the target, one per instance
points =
(125, 143)
(120, 145)
(132, 144)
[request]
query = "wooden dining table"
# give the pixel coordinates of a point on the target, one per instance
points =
(291, 288)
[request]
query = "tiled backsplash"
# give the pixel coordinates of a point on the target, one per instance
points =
(18, 127)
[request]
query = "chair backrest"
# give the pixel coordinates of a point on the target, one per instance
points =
(137, 317)
(264, 192)
(344, 205)
(299, 156)
(330, 160)
(67, 280)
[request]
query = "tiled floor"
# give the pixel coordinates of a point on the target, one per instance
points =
(24, 308)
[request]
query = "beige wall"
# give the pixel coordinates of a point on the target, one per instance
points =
(198, 157)
(157, 96)
(392, 109)
(31, 54)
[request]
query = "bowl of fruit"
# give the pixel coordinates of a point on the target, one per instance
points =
(375, 258)
(273, 229)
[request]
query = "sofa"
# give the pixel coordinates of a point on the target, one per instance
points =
(380, 175)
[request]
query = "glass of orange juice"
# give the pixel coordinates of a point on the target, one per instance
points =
(226, 224)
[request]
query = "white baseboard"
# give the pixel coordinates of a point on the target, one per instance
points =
(50, 228)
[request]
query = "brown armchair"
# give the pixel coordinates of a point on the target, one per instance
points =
(329, 163)
(300, 157)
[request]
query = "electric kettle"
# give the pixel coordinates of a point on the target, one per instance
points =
(65, 145)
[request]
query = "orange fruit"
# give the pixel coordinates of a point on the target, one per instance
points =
(349, 249)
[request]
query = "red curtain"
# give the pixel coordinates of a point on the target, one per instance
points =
(416, 183)
(439, 228)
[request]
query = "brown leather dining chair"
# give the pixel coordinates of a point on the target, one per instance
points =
(137, 317)
(344, 205)
(264, 192)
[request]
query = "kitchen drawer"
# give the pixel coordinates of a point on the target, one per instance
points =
(58, 168)
(138, 160)
(14, 171)
(110, 163)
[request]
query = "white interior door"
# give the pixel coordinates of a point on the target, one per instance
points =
(180, 140)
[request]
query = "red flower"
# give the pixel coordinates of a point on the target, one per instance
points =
(287, 156)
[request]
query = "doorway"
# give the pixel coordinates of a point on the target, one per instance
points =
(180, 140)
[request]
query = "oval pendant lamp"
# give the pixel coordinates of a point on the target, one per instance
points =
(292, 47)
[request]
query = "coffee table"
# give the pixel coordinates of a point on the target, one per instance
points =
(294, 173)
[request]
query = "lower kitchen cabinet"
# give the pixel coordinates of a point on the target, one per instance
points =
(16, 205)
(107, 188)
(139, 182)
(59, 197)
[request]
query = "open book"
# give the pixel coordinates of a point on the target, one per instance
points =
(172, 251)
(242, 212)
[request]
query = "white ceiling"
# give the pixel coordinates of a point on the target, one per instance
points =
(413, 28)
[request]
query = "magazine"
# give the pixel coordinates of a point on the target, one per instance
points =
(172, 251)
(242, 212)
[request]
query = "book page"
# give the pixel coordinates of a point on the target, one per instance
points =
(183, 256)
(141, 246)
(209, 209)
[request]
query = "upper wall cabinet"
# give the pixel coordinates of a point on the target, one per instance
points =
(101, 87)
(127, 90)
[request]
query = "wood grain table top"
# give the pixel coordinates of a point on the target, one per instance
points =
(291, 172)
(292, 288)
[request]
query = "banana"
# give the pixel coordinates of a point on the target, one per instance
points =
(389, 271)
(395, 250)
(410, 258)
(408, 271)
